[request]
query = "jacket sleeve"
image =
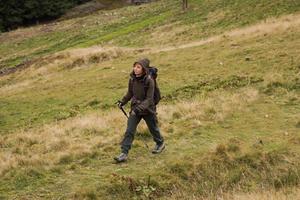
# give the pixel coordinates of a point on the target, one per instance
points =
(148, 101)
(128, 95)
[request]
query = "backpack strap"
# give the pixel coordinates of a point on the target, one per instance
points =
(146, 82)
(131, 84)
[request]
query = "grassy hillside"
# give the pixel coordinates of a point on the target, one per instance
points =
(93, 6)
(135, 26)
(229, 72)
(162, 24)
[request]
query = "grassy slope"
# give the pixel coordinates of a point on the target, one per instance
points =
(93, 6)
(228, 105)
(207, 17)
(115, 28)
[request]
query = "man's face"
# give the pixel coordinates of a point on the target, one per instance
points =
(138, 69)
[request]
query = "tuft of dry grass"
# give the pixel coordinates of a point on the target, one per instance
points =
(52, 143)
(290, 194)
(206, 110)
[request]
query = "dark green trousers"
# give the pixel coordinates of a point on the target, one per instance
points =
(132, 123)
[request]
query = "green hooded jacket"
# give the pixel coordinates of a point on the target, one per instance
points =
(141, 91)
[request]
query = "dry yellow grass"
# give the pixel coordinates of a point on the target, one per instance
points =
(48, 144)
(293, 193)
(90, 133)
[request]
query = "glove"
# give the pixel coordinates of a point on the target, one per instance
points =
(120, 104)
(134, 112)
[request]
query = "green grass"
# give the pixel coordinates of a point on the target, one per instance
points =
(230, 113)
(48, 103)
(94, 175)
(132, 26)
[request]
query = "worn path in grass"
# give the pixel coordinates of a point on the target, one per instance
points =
(265, 27)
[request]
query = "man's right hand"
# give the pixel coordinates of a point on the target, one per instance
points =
(134, 112)
(120, 104)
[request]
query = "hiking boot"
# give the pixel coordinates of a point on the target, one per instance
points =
(121, 158)
(158, 148)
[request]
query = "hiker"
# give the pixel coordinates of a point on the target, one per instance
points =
(141, 92)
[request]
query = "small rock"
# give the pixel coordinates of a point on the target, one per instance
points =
(286, 133)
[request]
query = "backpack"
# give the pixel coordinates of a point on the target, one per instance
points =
(153, 74)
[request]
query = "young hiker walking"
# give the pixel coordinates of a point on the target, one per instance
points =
(142, 93)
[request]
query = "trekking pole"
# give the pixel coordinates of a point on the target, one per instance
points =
(124, 112)
(146, 145)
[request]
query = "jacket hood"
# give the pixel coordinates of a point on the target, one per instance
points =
(144, 63)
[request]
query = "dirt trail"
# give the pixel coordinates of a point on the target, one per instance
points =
(268, 26)
(262, 28)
